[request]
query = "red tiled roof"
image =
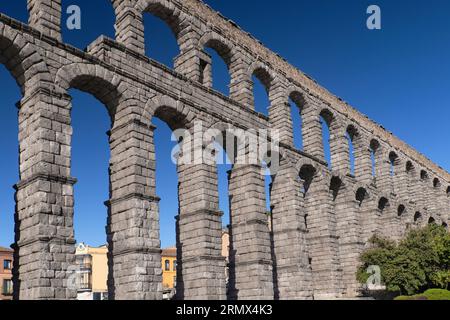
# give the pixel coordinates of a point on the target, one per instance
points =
(169, 252)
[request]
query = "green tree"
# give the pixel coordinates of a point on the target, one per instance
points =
(420, 261)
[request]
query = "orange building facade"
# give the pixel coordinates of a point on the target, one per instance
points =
(6, 265)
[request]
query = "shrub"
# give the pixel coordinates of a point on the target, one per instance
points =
(431, 294)
(420, 261)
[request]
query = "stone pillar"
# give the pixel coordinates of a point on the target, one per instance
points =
(280, 114)
(200, 265)
(134, 256)
(251, 274)
(350, 242)
(291, 257)
(401, 182)
(383, 171)
(340, 150)
(195, 65)
(363, 161)
(413, 186)
(369, 218)
(425, 193)
(387, 222)
(241, 86)
(323, 240)
(44, 239)
(312, 132)
(129, 25)
(45, 16)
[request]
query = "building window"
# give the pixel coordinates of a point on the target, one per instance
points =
(84, 281)
(175, 265)
(7, 287)
(167, 265)
(7, 264)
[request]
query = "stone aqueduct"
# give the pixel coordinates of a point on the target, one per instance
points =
(322, 218)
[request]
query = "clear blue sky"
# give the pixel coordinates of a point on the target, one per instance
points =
(399, 77)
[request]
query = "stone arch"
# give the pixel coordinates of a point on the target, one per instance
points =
(328, 116)
(226, 52)
(112, 92)
(306, 174)
(336, 184)
(170, 14)
(383, 204)
(401, 210)
(22, 59)
(448, 191)
(222, 46)
(305, 162)
(409, 167)
(174, 112)
(437, 183)
(267, 78)
(297, 96)
(374, 147)
(103, 84)
(353, 131)
(263, 73)
(394, 160)
(424, 175)
(361, 195)
(418, 217)
(298, 106)
(432, 220)
(355, 145)
(334, 145)
(307, 170)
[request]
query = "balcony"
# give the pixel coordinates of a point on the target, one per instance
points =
(84, 262)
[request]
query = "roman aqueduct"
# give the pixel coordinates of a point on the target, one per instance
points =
(322, 215)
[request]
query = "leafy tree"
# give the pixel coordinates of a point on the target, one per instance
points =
(420, 261)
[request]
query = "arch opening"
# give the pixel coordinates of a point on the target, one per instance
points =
(161, 34)
(417, 217)
(335, 186)
(9, 176)
(409, 168)
(297, 102)
(262, 83)
(383, 204)
(9, 54)
(401, 210)
(215, 72)
(352, 135)
(326, 120)
(306, 174)
(424, 176)
(436, 183)
(393, 163)
(374, 146)
(90, 158)
(361, 196)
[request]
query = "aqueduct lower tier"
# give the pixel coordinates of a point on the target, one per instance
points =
(321, 217)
